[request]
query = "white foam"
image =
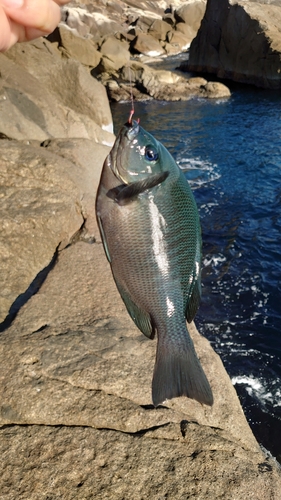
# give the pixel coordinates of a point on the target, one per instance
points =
(215, 260)
(250, 381)
(199, 172)
(265, 391)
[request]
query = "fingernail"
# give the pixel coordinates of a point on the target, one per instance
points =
(12, 4)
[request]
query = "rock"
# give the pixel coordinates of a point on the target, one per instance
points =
(76, 420)
(147, 45)
(159, 29)
(169, 18)
(86, 111)
(45, 199)
(178, 40)
(169, 86)
(76, 375)
(144, 23)
(84, 463)
(97, 23)
(123, 92)
(115, 54)
(102, 25)
(76, 19)
(191, 14)
(186, 30)
(35, 219)
(215, 90)
(29, 111)
(146, 83)
(239, 40)
(76, 47)
(85, 159)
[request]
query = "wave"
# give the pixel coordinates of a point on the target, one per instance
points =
(198, 172)
(266, 391)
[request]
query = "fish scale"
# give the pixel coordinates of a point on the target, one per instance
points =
(151, 234)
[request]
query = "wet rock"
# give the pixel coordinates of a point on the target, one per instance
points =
(239, 40)
(215, 90)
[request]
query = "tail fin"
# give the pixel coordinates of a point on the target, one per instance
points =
(178, 372)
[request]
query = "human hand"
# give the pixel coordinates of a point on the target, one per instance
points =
(23, 20)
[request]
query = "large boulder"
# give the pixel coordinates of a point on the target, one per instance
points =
(76, 47)
(76, 420)
(159, 29)
(179, 40)
(240, 40)
(75, 102)
(147, 45)
(191, 13)
(115, 54)
(45, 200)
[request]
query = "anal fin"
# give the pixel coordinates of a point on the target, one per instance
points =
(193, 302)
(103, 237)
(140, 317)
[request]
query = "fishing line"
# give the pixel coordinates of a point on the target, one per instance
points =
(131, 87)
(132, 97)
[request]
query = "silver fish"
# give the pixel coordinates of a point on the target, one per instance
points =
(150, 229)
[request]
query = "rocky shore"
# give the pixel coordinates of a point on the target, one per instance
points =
(76, 419)
(117, 44)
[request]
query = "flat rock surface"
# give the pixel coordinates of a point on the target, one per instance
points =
(76, 419)
(44, 199)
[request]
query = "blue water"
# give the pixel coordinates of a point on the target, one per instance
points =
(231, 153)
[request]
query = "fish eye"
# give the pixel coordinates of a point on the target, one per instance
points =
(151, 154)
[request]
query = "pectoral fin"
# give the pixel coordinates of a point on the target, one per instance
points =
(103, 238)
(128, 192)
(193, 302)
(141, 318)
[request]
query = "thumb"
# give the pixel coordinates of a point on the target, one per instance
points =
(43, 15)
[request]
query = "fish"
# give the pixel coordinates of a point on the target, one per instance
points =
(150, 229)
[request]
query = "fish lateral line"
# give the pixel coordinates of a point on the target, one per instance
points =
(129, 192)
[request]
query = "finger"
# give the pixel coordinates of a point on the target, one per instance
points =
(44, 17)
(7, 35)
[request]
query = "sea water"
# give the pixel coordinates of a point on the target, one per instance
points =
(230, 151)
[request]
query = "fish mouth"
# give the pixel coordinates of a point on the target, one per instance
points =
(133, 129)
(118, 155)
